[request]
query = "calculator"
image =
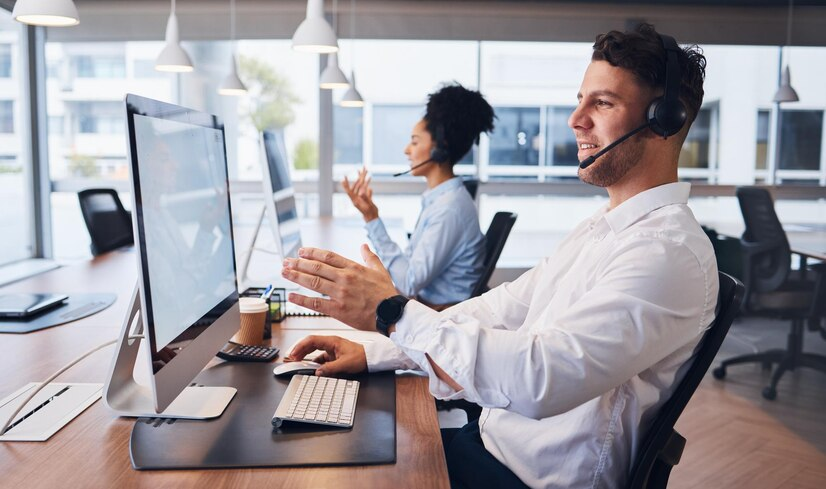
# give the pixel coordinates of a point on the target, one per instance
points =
(234, 352)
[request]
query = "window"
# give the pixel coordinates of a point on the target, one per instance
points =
(561, 148)
(5, 60)
(347, 134)
(145, 68)
(99, 67)
(696, 147)
(84, 90)
(56, 125)
(6, 116)
(800, 139)
(391, 132)
(515, 141)
(15, 184)
(762, 139)
(99, 118)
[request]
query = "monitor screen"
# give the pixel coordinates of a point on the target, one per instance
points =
(276, 154)
(183, 224)
(279, 195)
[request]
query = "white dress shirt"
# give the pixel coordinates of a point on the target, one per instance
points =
(572, 360)
(446, 253)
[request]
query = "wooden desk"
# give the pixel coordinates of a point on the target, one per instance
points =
(92, 450)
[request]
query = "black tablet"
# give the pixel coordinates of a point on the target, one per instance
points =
(22, 305)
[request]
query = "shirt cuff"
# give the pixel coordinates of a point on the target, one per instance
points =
(382, 354)
(414, 334)
(375, 227)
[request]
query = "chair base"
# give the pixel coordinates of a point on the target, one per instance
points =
(788, 359)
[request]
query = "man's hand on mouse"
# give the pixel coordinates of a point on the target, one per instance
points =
(340, 356)
(354, 290)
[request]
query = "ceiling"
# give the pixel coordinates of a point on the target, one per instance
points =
(749, 22)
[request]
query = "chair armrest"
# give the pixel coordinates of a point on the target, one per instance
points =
(752, 249)
(673, 449)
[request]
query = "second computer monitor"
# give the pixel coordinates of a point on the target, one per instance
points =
(279, 196)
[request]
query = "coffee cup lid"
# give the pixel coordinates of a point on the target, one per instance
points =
(252, 304)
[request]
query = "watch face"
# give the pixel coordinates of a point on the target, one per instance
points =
(389, 310)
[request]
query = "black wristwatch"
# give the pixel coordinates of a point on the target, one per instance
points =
(388, 312)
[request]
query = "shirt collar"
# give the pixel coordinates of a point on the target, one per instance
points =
(431, 194)
(643, 203)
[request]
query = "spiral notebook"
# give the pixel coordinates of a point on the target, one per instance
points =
(296, 310)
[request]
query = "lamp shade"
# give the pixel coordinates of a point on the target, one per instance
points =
(232, 85)
(352, 97)
(785, 92)
(173, 57)
(332, 76)
(314, 34)
(50, 13)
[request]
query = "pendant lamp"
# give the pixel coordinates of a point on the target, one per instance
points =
(785, 92)
(232, 85)
(314, 34)
(173, 58)
(48, 13)
(332, 76)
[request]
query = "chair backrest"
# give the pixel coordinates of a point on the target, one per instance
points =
(769, 269)
(472, 185)
(109, 224)
(650, 470)
(495, 239)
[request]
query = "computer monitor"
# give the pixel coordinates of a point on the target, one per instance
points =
(279, 196)
(186, 299)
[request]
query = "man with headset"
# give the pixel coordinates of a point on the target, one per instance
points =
(572, 360)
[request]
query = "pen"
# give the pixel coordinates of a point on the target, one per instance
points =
(267, 292)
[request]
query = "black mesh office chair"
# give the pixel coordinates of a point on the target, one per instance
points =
(773, 289)
(495, 239)
(109, 224)
(471, 185)
(662, 446)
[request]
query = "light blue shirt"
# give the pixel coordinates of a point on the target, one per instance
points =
(446, 253)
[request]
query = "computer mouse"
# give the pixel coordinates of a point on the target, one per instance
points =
(304, 367)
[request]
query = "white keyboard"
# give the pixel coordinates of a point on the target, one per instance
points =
(319, 400)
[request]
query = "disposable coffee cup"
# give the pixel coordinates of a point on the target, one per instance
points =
(253, 318)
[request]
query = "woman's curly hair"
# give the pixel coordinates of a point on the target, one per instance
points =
(455, 117)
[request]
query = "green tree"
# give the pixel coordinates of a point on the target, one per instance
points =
(305, 155)
(270, 100)
(82, 165)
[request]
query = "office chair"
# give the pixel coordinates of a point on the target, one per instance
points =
(495, 239)
(471, 185)
(663, 446)
(773, 289)
(109, 224)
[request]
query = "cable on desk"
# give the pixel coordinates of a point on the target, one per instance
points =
(53, 376)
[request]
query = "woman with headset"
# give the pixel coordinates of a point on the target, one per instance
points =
(444, 257)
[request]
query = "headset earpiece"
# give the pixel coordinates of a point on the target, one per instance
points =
(439, 152)
(667, 115)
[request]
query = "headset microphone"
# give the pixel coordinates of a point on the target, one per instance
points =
(589, 160)
(423, 163)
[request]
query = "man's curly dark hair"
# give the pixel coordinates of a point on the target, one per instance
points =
(455, 117)
(641, 52)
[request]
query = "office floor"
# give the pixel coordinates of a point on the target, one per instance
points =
(737, 439)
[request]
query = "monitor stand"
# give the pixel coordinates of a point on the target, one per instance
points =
(243, 277)
(126, 397)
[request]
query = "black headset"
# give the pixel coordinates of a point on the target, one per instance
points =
(667, 115)
(439, 152)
